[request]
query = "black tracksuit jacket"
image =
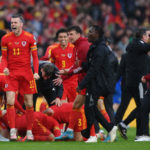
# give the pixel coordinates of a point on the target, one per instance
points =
(98, 77)
(46, 88)
(136, 62)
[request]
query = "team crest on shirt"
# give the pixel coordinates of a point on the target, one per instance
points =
(23, 43)
(69, 55)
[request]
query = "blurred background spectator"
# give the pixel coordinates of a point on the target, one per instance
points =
(120, 18)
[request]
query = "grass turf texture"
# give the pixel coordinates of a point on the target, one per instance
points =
(120, 144)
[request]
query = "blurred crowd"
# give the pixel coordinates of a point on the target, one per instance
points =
(120, 18)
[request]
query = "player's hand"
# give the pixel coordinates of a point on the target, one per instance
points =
(36, 76)
(63, 72)
(57, 102)
(6, 71)
(143, 79)
(48, 111)
(58, 81)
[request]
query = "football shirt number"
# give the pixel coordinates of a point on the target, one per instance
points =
(32, 83)
(63, 64)
(16, 51)
(79, 122)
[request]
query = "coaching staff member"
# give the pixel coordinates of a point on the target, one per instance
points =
(46, 86)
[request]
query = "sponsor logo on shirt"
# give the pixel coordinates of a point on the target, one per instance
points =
(23, 43)
(63, 55)
(69, 55)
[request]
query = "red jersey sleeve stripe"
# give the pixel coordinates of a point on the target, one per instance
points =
(33, 46)
(34, 49)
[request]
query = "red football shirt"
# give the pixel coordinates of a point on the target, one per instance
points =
(63, 58)
(61, 114)
(16, 52)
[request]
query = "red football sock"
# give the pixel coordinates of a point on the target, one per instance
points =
(29, 117)
(43, 106)
(11, 115)
(105, 114)
(92, 131)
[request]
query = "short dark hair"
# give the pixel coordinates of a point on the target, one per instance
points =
(18, 16)
(139, 34)
(48, 69)
(75, 28)
(62, 30)
(99, 30)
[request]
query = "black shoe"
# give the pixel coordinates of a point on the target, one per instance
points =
(123, 131)
(85, 133)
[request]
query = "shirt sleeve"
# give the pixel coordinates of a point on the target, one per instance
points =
(47, 54)
(33, 48)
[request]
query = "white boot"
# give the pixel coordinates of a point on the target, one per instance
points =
(29, 135)
(91, 139)
(113, 134)
(13, 134)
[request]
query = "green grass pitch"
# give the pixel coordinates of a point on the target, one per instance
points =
(120, 144)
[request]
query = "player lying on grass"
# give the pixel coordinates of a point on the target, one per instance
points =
(75, 121)
(45, 128)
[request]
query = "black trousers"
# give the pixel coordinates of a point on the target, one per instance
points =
(92, 113)
(145, 110)
(48, 95)
(108, 102)
(125, 99)
(137, 92)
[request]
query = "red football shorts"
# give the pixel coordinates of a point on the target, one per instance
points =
(81, 122)
(69, 92)
(22, 82)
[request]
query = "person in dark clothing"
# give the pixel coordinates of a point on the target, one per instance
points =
(108, 100)
(137, 66)
(125, 99)
(125, 95)
(45, 85)
(97, 81)
(145, 110)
